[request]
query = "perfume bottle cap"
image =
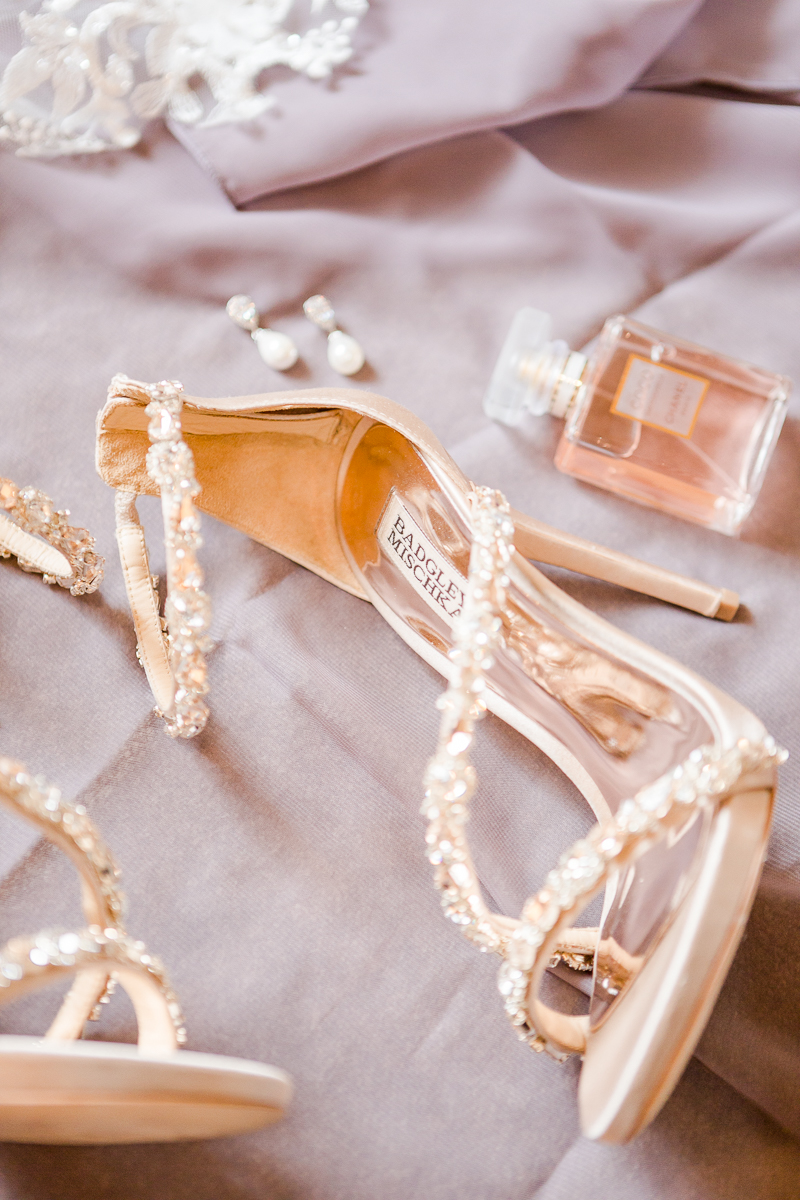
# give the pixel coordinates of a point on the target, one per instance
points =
(534, 373)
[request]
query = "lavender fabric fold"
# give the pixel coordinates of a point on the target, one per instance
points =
(276, 863)
(752, 44)
(423, 72)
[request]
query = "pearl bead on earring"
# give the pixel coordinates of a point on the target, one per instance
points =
(277, 349)
(344, 353)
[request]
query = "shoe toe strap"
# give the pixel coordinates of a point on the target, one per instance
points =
(98, 959)
(102, 952)
(171, 651)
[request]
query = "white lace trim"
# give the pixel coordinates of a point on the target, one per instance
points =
(89, 76)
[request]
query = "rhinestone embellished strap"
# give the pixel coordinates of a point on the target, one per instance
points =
(64, 952)
(40, 537)
(68, 826)
(103, 947)
(544, 933)
(707, 775)
(173, 657)
(450, 777)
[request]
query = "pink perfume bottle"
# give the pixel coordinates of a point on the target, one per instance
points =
(648, 415)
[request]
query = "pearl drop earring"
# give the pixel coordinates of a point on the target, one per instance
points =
(277, 349)
(344, 353)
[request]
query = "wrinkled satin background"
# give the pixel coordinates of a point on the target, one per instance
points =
(276, 863)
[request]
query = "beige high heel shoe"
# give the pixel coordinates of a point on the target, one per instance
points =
(679, 775)
(58, 1089)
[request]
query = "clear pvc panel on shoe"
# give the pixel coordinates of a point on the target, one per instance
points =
(411, 544)
(640, 901)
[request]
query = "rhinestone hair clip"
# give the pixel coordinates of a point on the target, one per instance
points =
(41, 539)
(542, 936)
(172, 650)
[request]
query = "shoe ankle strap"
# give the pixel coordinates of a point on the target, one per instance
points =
(171, 649)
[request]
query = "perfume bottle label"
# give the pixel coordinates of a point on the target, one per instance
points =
(432, 577)
(660, 396)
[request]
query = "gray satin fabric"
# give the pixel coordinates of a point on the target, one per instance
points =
(276, 862)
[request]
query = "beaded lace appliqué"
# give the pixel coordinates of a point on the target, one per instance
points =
(89, 76)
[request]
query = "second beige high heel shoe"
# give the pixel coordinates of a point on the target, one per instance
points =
(680, 776)
(60, 1089)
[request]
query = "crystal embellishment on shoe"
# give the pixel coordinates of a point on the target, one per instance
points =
(69, 1089)
(24, 958)
(104, 942)
(585, 867)
(277, 349)
(37, 800)
(173, 657)
(450, 777)
(27, 515)
(344, 352)
(188, 611)
(528, 945)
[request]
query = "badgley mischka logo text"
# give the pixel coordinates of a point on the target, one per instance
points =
(427, 570)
